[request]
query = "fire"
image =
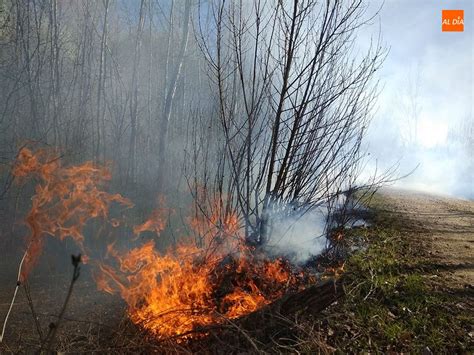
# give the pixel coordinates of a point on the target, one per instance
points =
(211, 275)
(165, 295)
(334, 271)
(242, 302)
(191, 286)
(156, 222)
(65, 199)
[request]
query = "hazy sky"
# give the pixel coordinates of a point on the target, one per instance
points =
(440, 65)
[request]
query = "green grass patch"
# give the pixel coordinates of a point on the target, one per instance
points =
(390, 303)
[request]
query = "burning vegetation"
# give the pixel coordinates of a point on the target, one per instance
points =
(253, 115)
(207, 277)
(187, 288)
(247, 120)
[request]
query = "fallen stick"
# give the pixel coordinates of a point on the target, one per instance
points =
(275, 315)
(311, 300)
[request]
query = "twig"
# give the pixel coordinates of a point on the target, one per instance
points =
(18, 283)
(26, 287)
(242, 331)
(53, 327)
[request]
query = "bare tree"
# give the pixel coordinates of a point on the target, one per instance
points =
(171, 92)
(134, 93)
(293, 103)
(273, 129)
(101, 81)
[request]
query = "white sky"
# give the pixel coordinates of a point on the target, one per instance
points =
(439, 65)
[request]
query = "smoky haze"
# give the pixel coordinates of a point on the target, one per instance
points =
(425, 119)
(187, 108)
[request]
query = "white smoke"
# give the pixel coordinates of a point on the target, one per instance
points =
(298, 237)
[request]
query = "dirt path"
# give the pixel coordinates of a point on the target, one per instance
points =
(445, 226)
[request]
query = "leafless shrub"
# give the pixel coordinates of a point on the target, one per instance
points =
(293, 105)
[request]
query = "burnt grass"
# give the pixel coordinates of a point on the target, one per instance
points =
(393, 302)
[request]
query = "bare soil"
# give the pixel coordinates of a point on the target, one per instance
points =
(91, 315)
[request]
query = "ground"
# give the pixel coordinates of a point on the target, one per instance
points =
(446, 228)
(411, 289)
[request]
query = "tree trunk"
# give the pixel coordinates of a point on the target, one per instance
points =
(170, 96)
(134, 97)
(101, 81)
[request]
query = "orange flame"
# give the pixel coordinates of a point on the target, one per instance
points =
(334, 271)
(199, 282)
(192, 286)
(66, 199)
